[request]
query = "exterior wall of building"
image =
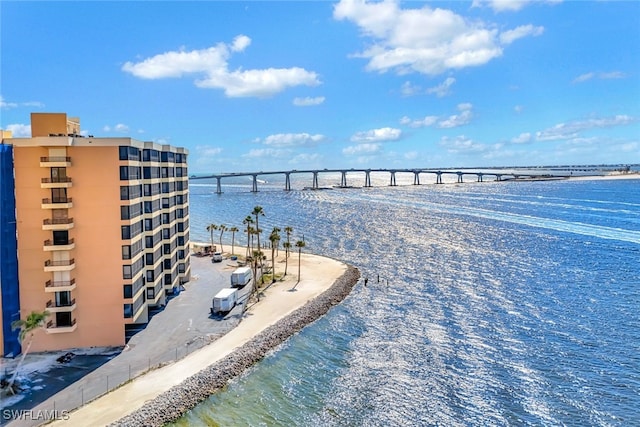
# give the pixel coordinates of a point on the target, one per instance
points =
(47, 124)
(9, 285)
(93, 273)
(102, 232)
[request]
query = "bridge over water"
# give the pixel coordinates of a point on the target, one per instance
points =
(498, 174)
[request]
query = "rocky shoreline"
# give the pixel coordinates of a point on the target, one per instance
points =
(172, 404)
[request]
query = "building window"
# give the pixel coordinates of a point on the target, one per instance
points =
(59, 195)
(63, 319)
(61, 237)
(63, 299)
(126, 252)
(126, 272)
(127, 291)
(151, 293)
(126, 232)
(128, 311)
(124, 212)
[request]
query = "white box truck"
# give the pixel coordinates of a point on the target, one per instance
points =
(241, 276)
(225, 300)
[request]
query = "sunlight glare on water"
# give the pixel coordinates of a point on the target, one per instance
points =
(487, 304)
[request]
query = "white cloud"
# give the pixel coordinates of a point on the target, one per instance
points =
(509, 5)
(428, 41)
(424, 122)
(572, 129)
(377, 135)
(465, 115)
(602, 76)
(291, 140)
(443, 89)
(208, 151)
(518, 109)
(20, 130)
(510, 36)
(240, 43)
(460, 119)
(409, 89)
(308, 101)
(212, 64)
(268, 153)
(461, 145)
(7, 105)
(120, 128)
(523, 138)
(366, 148)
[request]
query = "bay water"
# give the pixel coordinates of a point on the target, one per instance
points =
(494, 303)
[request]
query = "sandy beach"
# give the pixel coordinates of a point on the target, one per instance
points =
(318, 274)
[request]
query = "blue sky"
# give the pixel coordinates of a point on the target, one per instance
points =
(263, 85)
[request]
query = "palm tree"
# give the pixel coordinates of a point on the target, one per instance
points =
(211, 228)
(299, 244)
(287, 246)
(274, 237)
(248, 221)
(288, 230)
(258, 212)
(222, 229)
(257, 256)
(233, 238)
(28, 326)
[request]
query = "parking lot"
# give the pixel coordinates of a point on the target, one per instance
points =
(182, 326)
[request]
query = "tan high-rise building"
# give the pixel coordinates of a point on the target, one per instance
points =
(102, 230)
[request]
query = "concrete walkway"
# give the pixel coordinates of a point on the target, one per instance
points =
(182, 327)
(279, 300)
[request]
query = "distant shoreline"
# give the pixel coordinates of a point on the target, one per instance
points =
(609, 176)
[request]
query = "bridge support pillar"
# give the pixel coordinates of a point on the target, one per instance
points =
(343, 179)
(315, 180)
(416, 178)
(367, 178)
(459, 176)
(218, 186)
(287, 182)
(438, 177)
(254, 188)
(479, 177)
(392, 183)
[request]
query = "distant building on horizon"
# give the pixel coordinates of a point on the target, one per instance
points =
(101, 227)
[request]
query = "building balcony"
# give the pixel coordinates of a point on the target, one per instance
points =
(63, 265)
(59, 286)
(53, 328)
(53, 307)
(55, 162)
(57, 203)
(57, 224)
(49, 245)
(62, 182)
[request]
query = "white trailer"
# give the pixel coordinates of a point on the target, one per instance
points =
(241, 276)
(225, 300)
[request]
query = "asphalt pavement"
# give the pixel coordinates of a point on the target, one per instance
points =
(184, 325)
